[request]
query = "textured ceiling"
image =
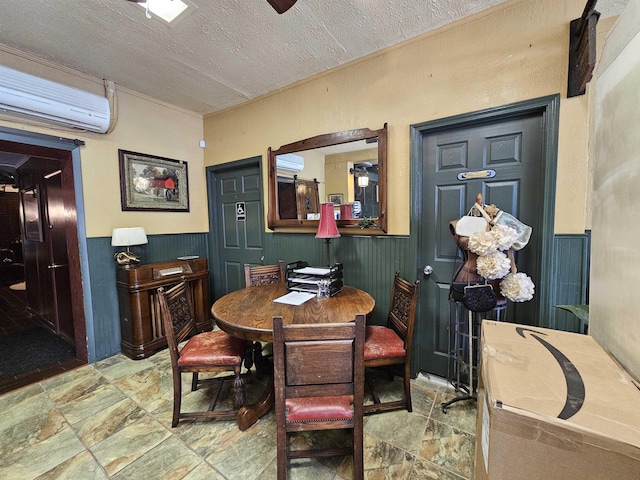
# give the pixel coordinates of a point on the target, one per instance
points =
(226, 51)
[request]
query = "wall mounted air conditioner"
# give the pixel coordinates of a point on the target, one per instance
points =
(289, 162)
(49, 102)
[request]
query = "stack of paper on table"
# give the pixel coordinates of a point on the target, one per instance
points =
(295, 298)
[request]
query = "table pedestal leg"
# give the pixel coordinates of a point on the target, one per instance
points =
(249, 414)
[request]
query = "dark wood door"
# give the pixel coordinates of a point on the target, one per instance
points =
(509, 147)
(55, 227)
(236, 224)
(307, 200)
(47, 155)
(36, 255)
(45, 225)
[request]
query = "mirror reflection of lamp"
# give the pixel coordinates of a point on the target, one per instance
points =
(362, 176)
(363, 179)
(327, 227)
(126, 237)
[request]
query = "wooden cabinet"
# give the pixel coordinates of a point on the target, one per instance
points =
(141, 327)
(297, 198)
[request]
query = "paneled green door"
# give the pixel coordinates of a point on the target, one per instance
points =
(505, 156)
(236, 223)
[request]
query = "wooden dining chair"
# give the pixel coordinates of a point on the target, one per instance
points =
(211, 352)
(390, 346)
(263, 274)
(319, 385)
(255, 276)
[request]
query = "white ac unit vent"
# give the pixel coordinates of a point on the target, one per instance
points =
(290, 162)
(49, 102)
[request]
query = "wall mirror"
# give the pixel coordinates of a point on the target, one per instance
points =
(345, 168)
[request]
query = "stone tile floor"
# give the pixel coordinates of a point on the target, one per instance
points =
(112, 419)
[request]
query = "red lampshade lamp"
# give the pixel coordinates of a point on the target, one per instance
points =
(327, 228)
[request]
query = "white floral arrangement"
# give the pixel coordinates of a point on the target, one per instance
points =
(493, 264)
(504, 236)
(517, 287)
(482, 243)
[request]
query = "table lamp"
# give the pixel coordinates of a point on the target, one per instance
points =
(327, 228)
(125, 237)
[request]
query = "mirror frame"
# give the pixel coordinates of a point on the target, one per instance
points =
(327, 140)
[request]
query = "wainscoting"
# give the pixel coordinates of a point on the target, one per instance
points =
(102, 268)
(571, 279)
(369, 264)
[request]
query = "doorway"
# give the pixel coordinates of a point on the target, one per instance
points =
(518, 144)
(236, 222)
(53, 299)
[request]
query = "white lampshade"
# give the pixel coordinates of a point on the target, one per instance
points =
(363, 180)
(125, 237)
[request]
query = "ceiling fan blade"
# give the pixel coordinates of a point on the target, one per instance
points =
(281, 6)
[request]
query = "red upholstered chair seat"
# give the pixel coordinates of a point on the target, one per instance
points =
(319, 409)
(212, 348)
(382, 342)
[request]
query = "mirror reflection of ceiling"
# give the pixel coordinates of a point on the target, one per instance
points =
(223, 53)
(313, 160)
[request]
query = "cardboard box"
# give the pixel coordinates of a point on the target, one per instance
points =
(553, 405)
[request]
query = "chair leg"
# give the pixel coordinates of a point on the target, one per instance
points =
(372, 389)
(194, 382)
(281, 454)
(407, 387)
(378, 405)
(177, 397)
(358, 453)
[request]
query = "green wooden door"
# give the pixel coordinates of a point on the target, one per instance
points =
(510, 147)
(236, 223)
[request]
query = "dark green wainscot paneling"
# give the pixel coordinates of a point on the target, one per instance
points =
(369, 264)
(102, 270)
(369, 261)
(571, 261)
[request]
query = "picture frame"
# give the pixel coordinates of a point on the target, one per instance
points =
(31, 217)
(336, 198)
(152, 183)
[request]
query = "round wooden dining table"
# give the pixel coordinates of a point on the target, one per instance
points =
(248, 313)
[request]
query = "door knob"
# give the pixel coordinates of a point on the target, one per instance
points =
(428, 270)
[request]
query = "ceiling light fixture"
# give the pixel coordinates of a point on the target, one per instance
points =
(167, 10)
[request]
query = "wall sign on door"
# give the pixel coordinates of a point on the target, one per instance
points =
(477, 174)
(241, 212)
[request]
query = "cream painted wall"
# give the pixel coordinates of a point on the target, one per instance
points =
(614, 319)
(513, 52)
(145, 126)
